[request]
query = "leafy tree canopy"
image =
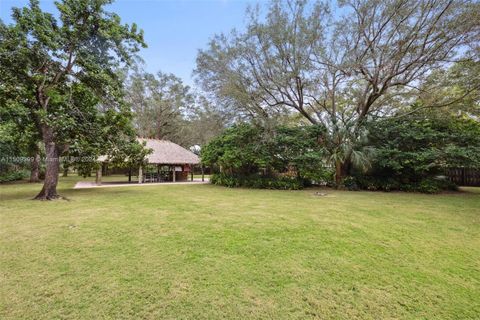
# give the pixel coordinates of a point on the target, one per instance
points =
(247, 149)
(340, 70)
(64, 72)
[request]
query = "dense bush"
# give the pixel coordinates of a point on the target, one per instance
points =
(271, 153)
(372, 183)
(411, 153)
(423, 146)
(13, 176)
(257, 181)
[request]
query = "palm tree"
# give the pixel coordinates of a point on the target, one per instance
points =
(348, 148)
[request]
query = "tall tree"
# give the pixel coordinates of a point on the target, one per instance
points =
(337, 70)
(67, 65)
(159, 103)
(203, 123)
(459, 80)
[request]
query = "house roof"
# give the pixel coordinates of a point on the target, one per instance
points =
(167, 152)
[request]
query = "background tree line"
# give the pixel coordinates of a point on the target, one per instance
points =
(165, 108)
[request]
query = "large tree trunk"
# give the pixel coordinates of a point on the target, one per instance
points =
(338, 174)
(49, 190)
(35, 167)
(341, 170)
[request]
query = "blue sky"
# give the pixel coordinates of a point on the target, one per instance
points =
(174, 30)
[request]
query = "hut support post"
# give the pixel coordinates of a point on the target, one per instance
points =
(174, 174)
(203, 174)
(191, 172)
(140, 174)
(98, 176)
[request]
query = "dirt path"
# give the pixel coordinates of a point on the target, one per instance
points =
(90, 184)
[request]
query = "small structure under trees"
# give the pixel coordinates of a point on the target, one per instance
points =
(168, 162)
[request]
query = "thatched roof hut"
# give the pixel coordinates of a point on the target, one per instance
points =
(167, 152)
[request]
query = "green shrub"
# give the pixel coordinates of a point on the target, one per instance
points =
(350, 183)
(428, 186)
(374, 183)
(257, 181)
(246, 149)
(13, 176)
(411, 153)
(435, 185)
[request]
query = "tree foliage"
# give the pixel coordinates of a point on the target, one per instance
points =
(63, 70)
(410, 153)
(248, 150)
(159, 103)
(338, 70)
(165, 108)
(204, 122)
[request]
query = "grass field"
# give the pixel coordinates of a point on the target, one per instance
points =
(206, 252)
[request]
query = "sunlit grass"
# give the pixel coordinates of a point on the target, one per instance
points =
(203, 252)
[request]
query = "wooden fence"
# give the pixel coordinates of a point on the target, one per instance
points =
(464, 176)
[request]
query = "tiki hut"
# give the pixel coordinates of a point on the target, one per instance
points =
(169, 153)
(168, 162)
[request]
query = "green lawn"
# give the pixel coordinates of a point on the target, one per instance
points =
(207, 252)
